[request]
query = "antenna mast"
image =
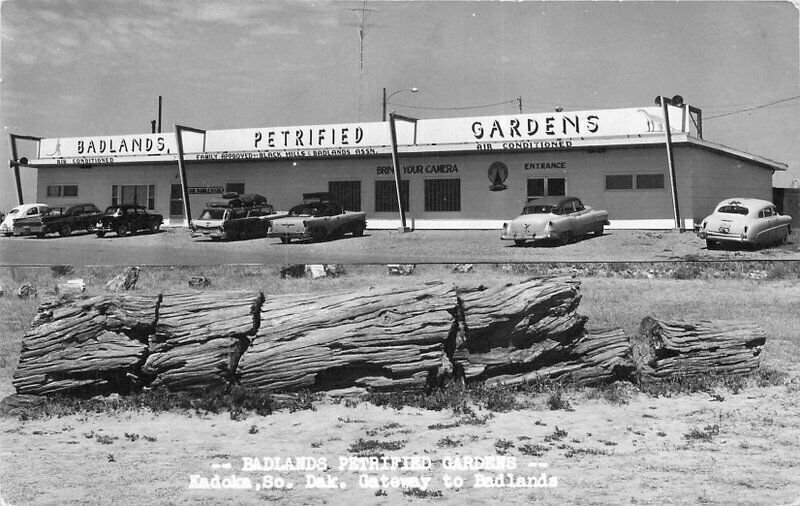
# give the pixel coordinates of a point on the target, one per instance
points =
(362, 14)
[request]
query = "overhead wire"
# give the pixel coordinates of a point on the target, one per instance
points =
(762, 106)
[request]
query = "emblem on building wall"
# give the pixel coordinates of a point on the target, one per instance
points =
(498, 173)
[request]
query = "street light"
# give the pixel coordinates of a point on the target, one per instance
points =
(386, 98)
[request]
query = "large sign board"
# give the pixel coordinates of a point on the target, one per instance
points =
(503, 132)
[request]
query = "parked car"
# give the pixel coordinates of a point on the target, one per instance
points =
(59, 219)
(318, 218)
(561, 219)
(126, 219)
(752, 222)
(235, 217)
(21, 211)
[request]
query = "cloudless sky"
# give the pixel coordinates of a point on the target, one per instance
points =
(96, 67)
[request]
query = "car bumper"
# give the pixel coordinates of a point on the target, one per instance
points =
(30, 230)
(290, 234)
(527, 236)
(720, 237)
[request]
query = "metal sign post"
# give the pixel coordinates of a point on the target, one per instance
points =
(15, 161)
(396, 165)
(182, 169)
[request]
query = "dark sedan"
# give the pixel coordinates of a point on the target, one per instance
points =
(127, 219)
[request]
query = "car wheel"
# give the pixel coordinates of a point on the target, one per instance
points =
(285, 240)
(65, 231)
(598, 230)
(711, 244)
(100, 234)
(318, 234)
(122, 231)
(359, 231)
(519, 242)
(153, 228)
(565, 237)
(41, 235)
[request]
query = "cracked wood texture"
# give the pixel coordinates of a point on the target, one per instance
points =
(667, 349)
(511, 330)
(199, 338)
(88, 344)
(379, 338)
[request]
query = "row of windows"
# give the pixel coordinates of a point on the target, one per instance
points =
(62, 190)
(440, 195)
(635, 182)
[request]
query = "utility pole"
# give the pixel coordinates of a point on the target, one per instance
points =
(362, 32)
(519, 100)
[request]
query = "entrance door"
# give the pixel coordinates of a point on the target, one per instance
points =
(176, 202)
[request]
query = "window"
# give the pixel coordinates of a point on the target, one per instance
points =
(234, 188)
(386, 196)
(536, 187)
(62, 190)
(643, 182)
(140, 195)
(649, 181)
(348, 193)
(442, 195)
(544, 186)
(619, 182)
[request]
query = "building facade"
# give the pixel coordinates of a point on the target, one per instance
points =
(454, 173)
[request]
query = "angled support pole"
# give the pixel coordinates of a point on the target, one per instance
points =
(671, 163)
(395, 164)
(179, 129)
(15, 162)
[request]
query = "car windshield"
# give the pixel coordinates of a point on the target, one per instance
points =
(538, 209)
(733, 210)
(113, 211)
(304, 210)
(213, 214)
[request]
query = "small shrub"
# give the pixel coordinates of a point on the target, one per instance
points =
(448, 442)
(533, 450)
(366, 448)
(503, 445)
(422, 494)
(253, 429)
(131, 437)
(557, 435)
(705, 434)
(62, 270)
(557, 401)
(687, 270)
(105, 440)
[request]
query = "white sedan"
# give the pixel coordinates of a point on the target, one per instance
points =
(753, 222)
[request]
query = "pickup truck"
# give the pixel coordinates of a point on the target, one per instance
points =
(235, 217)
(318, 219)
(124, 219)
(59, 220)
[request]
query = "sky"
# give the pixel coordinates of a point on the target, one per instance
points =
(71, 68)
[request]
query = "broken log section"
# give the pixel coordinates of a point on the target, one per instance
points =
(668, 349)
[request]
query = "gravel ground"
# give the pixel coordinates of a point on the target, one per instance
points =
(177, 247)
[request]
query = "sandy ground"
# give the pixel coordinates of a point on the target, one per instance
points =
(637, 452)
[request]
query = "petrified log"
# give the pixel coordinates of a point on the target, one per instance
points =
(199, 338)
(517, 328)
(597, 356)
(381, 338)
(85, 344)
(667, 349)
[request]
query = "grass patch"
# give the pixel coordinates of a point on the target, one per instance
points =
(705, 434)
(372, 447)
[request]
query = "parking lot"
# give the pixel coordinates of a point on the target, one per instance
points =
(177, 247)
